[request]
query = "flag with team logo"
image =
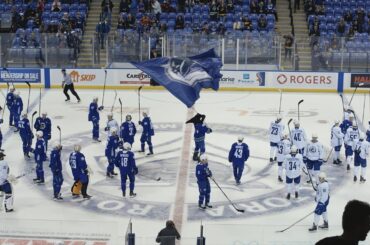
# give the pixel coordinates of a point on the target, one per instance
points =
(185, 77)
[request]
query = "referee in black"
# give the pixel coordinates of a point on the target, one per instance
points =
(67, 84)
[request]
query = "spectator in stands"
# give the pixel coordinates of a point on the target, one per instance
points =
(213, 11)
(163, 29)
(102, 28)
(317, 60)
(32, 41)
(78, 21)
(355, 26)
(238, 25)
(179, 23)
(254, 6)
(319, 10)
(222, 11)
(261, 6)
(65, 22)
(315, 31)
(124, 6)
(205, 28)
(133, 7)
(350, 34)
(146, 23)
(270, 9)
(288, 45)
(166, 7)
(107, 7)
(348, 16)
(247, 23)
(196, 27)
(355, 224)
(296, 61)
(360, 18)
(56, 6)
(17, 20)
(230, 6)
(40, 6)
(141, 6)
(74, 42)
(168, 235)
(29, 14)
(156, 8)
(221, 29)
(262, 22)
(309, 7)
(121, 23)
(131, 21)
(341, 27)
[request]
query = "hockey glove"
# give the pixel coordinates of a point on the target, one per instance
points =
(139, 122)
(12, 179)
(1, 121)
(136, 170)
(106, 129)
(100, 108)
(209, 130)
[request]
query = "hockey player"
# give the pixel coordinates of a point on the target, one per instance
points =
(94, 118)
(313, 157)
(56, 169)
(43, 124)
(238, 155)
(336, 141)
(40, 157)
(17, 108)
(293, 165)
(128, 130)
(5, 185)
(283, 150)
(322, 199)
(111, 123)
(347, 123)
(362, 151)
(26, 134)
(9, 103)
(351, 135)
(110, 151)
(368, 134)
(147, 133)
(80, 172)
(347, 112)
(202, 173)
(276, 131)
(299, 137)
(125, 161)
(200, 131)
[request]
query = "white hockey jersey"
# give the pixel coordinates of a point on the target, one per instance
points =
(276, 131)
(336, 136)
(314, 151)
(323, 192)
(4, 171)
(112, 124)
(350, 136)
(299, 138)
(283, 149)
(364, 149)
(293, 165)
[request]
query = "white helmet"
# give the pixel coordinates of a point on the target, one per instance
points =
(128, 117)
(362, 136)
(95, 99)
(77, 148)
(296, 123)
(203, 157)
(279, 117)
(314, 136)
(336, 122)
(44, 113)
(293, 149)
(110, 114)
(240, 138)
(354, 125)
(145, 114)
(322, 175)
(113, 130)
(39, 134)
(57, 146)
(127, 146)
(285, 135)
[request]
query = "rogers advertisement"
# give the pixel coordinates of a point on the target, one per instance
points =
(310, 80)
(360, 80)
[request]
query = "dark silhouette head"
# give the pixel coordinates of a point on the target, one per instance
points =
(356, 220)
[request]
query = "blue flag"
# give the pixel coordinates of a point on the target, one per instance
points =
(185, 77)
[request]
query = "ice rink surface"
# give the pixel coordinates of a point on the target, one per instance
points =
(104, 218)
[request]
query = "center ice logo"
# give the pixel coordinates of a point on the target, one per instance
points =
(259, 193)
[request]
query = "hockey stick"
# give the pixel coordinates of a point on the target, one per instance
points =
(281, 98)
(29, 95)
(40, 102)
(363, 108)
(120, 103)
(290, 133)
(7, 91)
(299, 103)
(149, 177)
(114, 101)
(60, 135)
(33, 115)
(341, 96)
(359, 85)
(138, 91)
(310, 177)
(105, 82)
(331, 151)
(232, 204)
(296, 222)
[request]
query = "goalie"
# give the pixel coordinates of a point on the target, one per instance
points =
(6, 192)
(80, 172)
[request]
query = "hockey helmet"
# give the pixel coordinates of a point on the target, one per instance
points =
(44, 113)
(285, 135)
(336, 122)
(95, 99)
(113, 130)
(296, 123)
(145, 114)
(322, 176)
(12, 89)
(127, 146)
(240, 138)
(110, 115)
(57, 146)
(293, 149)
(128, 117)
(77, 148)
(314, 136)
(354, 125)
(203, 158)
(279, 118)
(362, 136)
(39, 134)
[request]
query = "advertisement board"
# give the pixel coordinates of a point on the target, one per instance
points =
(360, 80)
(241, 79)
(302, 80)
(95, 77)
(14, 75)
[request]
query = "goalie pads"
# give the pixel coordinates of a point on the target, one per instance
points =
(76, 188)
